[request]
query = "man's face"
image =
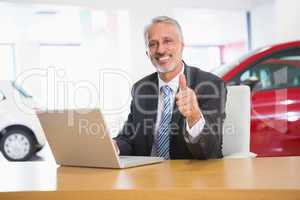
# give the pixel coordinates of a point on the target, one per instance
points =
(164, 47)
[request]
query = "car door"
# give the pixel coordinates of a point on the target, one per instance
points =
(275, 111)
(2, 101)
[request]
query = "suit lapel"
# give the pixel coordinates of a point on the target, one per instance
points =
(152, 107)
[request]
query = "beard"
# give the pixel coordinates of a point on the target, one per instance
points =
(165, 69)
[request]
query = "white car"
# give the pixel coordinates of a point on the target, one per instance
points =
(21, 134)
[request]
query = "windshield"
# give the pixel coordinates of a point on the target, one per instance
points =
(223, 69)
(21, 90)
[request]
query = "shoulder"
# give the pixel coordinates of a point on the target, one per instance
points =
(152, 78)
(205, 83)
(147, 83)
(196, 75)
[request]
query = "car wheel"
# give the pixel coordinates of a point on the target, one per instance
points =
(17, 145)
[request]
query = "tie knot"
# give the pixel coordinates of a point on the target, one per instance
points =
(166, 90)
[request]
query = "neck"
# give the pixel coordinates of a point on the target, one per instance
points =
(168, 76)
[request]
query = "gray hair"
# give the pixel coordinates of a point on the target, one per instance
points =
(162, 19)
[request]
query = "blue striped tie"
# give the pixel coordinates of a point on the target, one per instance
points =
(163, 132)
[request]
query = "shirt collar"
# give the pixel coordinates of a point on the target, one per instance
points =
(173, 84)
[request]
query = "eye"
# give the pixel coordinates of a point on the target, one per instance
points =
(152, 44)
(168, 41)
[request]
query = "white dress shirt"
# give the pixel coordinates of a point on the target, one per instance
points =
(193, 131)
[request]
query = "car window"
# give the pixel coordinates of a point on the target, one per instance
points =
(245, 76)
(275, 72)
(2, 97)
(220, 71)
(264, 77)
(261, 73)
(21, 90)
(293, 77)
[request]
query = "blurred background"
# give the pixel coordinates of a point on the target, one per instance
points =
(78, 53)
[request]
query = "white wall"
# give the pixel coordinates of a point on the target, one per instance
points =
(141, 12)
(288, 19)
(263, 24)
(150, 5)
(275, 21)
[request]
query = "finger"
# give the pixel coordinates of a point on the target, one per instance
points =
(186, 96)
(185, 105)
(184, 110)
(182, 94)
(182, 82)
(183, 101)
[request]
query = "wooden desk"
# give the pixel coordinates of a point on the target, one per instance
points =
(260, 178)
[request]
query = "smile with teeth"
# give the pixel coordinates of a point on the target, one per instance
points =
(164, 59)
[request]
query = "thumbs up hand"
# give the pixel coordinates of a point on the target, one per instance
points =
(187, 103)
(182, 82)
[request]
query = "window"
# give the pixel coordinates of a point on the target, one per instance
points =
(64, 20)
(203, 57)
(212, 36)
(275, 72)
(294, 80)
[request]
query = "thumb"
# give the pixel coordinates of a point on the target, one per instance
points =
(182, 82)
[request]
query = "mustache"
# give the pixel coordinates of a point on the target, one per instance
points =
(159, 55)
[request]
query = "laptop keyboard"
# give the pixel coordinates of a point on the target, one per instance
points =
(136, 159)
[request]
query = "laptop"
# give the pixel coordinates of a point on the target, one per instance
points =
(79, 137)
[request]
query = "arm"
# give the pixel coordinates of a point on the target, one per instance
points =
(208, 143)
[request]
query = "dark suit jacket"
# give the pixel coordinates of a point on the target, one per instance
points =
(136, 137)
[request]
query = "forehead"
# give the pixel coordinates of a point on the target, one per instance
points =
(161, 30)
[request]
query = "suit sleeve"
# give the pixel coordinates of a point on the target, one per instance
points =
(208, 143)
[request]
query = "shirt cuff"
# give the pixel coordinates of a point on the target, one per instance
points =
(197, 128)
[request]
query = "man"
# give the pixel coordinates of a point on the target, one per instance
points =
(178, 111)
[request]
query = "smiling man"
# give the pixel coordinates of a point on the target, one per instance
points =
(178, 111)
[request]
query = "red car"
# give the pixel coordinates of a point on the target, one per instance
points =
(273, 74)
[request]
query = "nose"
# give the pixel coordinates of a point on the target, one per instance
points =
(161, 48)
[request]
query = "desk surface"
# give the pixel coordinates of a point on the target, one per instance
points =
(229, 178)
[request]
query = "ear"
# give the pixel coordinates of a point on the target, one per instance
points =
(182, 46)
(147, 53)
